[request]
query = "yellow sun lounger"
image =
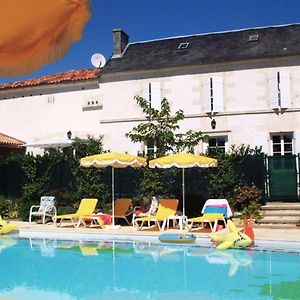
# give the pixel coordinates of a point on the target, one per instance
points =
(166, 208)
(94, 219)
(88, 251)
(86, 208)
(207, 218)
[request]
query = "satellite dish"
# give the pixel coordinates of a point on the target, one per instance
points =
(98, 60)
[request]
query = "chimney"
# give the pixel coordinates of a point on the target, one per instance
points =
(120, 42)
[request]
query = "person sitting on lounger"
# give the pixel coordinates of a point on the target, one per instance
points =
(140, 211)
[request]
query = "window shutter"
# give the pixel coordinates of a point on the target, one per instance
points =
(204, 147)
(218, 101)
(273, 91)
(296, 141)
(146, 91)
(206, 95)
(285, 89)
(155, 95)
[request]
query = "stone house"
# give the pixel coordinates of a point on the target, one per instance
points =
(238, 87)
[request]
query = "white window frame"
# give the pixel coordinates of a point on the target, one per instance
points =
(206, 143)
(280, 90)
(213, 95)
(51, 99)
(282, 143)
(152, 93)
(145, 148)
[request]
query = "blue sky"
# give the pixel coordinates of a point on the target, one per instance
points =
(153, 19)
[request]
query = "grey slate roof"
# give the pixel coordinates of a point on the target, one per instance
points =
(207, 49)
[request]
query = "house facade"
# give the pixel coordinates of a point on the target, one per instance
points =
(237, 87)
(49, 107)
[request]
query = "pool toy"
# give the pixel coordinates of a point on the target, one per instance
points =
(248, 229)
(6, 227)
(232, 238)
(235, 259)
(177, 238)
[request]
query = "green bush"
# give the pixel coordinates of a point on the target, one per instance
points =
(156, 182)
(23, 211)
(240, 166)
(59, 174)
(246, 200)
(8, 208)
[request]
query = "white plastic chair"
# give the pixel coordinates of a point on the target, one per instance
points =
(45, 209)
(152, 210)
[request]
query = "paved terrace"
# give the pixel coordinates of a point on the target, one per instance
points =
(291, 234)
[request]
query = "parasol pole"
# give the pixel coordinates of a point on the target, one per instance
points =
(183, 194)
(113, 194)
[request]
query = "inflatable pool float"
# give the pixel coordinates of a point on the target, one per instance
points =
(177, 238)
(232, 238)
(6, 227)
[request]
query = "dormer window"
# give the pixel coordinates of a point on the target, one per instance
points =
(253, 38)
(183, 46)
(93, 102)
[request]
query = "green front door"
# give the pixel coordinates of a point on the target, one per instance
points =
(283, 178)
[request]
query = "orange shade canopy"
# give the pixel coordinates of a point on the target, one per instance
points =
(35, 33)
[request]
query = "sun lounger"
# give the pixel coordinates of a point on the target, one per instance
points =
(85, 210)
(166, 208)
(214, 210)
(122, 209)
(210, 218)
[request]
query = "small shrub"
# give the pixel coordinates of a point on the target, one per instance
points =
(240, 166)
(23, 211)
(247, 199)
(61, 210)
(7, 207)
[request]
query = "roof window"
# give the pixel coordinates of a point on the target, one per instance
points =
(253, 38)
(183, 46)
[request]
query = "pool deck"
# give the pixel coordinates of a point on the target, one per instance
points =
(288, 234)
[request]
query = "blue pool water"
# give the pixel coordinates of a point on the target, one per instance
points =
(48, 269)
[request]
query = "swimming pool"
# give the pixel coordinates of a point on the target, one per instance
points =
(68, 270)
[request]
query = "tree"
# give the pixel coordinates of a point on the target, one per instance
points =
(161, 129)
(89, 146)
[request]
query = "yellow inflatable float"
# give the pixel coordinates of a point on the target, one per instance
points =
(232, 238)
(6, 227)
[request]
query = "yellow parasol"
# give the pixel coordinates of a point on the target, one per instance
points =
(35, 33)
(114, 160)
(183, 161)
